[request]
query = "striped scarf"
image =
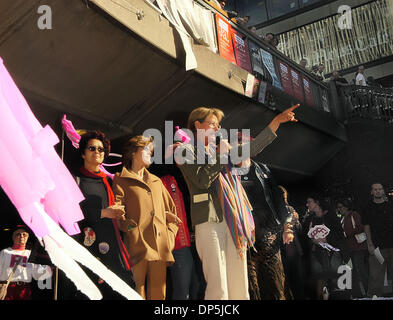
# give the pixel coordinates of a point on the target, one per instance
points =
(236, 209)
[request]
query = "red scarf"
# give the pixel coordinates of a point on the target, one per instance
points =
(19, 247)
(111, 201)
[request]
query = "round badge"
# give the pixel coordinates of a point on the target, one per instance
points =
(245, 178)
(103, 247)
(90, 236)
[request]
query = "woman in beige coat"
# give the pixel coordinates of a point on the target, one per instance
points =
(150, 224)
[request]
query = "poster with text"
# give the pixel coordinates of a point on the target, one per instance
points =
(262, 92)
(241, 50)
(307, 91)
(256, 59)
(224, 36)
(286, 79)
(249, 85)
(297, 85)
(268, 61)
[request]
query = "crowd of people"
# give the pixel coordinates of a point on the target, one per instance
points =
(242, 22)
(212, 229)
(318, 70)
(359, 78)
(216, 229)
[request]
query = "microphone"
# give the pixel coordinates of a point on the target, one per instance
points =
(218, 137)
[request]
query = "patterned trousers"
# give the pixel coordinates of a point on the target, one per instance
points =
(266, 272)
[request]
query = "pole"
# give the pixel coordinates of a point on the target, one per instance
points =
(57, 269)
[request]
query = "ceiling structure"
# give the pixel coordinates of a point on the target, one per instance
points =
(104, 75)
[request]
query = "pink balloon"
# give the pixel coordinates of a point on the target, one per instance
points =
(30, 170)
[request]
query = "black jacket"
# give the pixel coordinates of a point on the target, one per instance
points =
(269, 209)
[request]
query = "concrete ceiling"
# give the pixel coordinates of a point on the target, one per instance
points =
(104, 76)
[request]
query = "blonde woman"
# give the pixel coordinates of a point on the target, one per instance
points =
(150, 224)
(223, 262)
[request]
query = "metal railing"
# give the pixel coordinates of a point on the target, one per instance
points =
(320, 91)
(367, 102)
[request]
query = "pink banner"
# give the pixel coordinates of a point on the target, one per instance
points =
(241, 51)
(224, 36)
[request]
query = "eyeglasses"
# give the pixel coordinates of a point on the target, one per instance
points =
(93, 149)
(213, 124)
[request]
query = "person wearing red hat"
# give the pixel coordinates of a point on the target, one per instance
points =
(16, 273)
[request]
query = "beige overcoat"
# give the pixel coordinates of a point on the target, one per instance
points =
(147, 234)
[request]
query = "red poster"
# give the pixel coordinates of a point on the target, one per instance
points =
(297, 85)
(224, 35)
(286, 80)
(307, 91)
(241, 51)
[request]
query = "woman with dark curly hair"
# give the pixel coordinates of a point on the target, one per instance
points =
(100, 232)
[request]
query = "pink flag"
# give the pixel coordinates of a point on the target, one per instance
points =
(70, 131)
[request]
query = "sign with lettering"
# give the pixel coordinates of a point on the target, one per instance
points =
(307, 91)
(297, 85)
(256, 59)
(318, 232)
(224, 36)
(268, 61)
(241, 50)
(286, 80)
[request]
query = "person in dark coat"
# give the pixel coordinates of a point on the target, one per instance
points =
(272, 227)
(292, 254)
(357, 245)
(324, 260)
(99, 228)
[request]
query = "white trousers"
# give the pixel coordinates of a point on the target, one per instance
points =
(225, 272)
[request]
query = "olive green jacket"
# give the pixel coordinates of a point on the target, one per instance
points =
(200, 178)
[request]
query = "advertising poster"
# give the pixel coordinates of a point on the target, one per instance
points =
(262, 92)
(268, 61)
(252, 87)
(286, 79)
(224, 33)
(256, 59)
(255, 89)
(307, 91)
(297, 85)
(249, 85)
(241, 51)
